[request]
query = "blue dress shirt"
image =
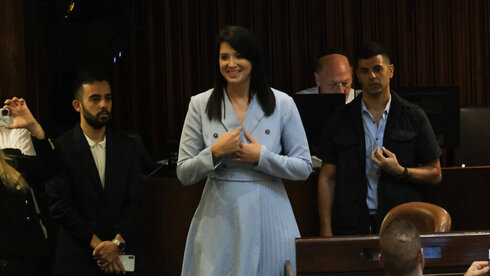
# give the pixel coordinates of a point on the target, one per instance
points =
(373, 136)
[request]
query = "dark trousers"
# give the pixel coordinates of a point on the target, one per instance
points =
(373, 224)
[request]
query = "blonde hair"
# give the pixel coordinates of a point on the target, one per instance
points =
(10, 176)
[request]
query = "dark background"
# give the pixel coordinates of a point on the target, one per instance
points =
(167, 50)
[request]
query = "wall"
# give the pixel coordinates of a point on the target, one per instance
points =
(168, 50)
(171, 46)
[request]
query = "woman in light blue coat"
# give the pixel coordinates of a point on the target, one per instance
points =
(244, 137)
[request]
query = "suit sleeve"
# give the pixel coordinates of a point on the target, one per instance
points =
(295, 163)
(63, 208)
(195, 160)
(45, 164)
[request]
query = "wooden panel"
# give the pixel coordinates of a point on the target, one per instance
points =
(464, 194)
(167, 211)
(335, 255)
(168, 207)
(348, 255)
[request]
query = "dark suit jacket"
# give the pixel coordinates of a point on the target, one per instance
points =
(83, 208)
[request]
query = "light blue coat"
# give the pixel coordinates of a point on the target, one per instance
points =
(244, 224)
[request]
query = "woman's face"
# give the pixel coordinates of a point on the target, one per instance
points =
(234, 68)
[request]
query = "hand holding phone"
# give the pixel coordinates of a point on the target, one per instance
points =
(128, 262)
(5, 118)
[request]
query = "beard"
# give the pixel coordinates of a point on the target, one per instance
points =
(96, 121)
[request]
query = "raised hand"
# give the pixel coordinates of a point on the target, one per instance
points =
(249, 152)
(22, 117)
(228, 143)
(386, 161)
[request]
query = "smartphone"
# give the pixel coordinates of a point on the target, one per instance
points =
(5, 118)
(128, 262)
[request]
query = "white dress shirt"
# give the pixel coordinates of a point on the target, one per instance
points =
(98, 152)
(19, 138)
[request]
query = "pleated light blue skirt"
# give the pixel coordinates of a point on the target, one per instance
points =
(241, 228)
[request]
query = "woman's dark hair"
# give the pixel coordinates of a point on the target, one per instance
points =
(243, 42)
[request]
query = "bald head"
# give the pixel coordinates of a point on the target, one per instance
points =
(333, 74)
(401, 249)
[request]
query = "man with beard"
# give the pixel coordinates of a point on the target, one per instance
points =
(95, 196)
(377, 152)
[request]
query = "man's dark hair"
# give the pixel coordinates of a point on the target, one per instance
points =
(400, 247)
(243, 42)
(329, 51)
(372, 49)
(86, 77)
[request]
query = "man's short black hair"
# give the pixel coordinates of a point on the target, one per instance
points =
(400, 247)
(371, 49)
(329, 51)
(87, 77)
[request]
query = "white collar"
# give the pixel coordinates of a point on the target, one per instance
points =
(92, 144)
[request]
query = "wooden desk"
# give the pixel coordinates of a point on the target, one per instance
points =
(353, 255)
(167, 211)
(168, 207)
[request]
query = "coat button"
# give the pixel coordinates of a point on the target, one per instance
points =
(28, 218)
(215, 135)
(27, 202)
(267, 131)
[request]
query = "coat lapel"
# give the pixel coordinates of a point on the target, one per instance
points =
(110, 159)
(254, 115)
(86, 159)
(252, 118)
(228, 116)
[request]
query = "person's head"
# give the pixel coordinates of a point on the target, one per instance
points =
(333, 73)
(239, 62)
(92, 99)
(10, 177)
(236, 48)
(400, 249)
(374, 68)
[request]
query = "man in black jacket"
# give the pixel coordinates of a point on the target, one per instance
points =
(95, 197)
(376, 152)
